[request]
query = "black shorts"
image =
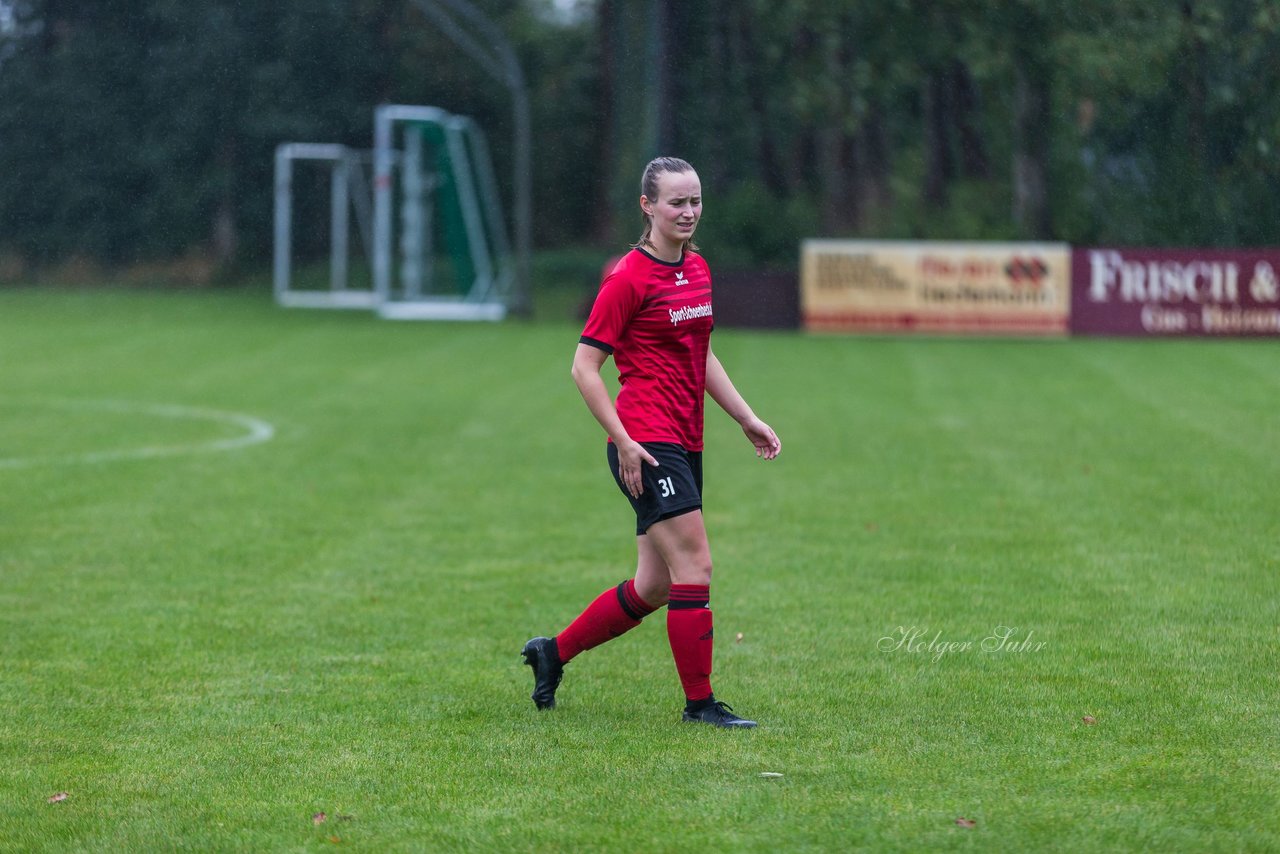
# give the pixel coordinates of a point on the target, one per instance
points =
(672, 488)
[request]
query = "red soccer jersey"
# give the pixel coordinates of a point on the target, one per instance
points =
(655, 318)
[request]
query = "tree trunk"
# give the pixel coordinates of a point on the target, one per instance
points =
(1031, 118)
(636, 62)
(662, 76)
(974, 162)
(386, 27)
(837, 162)
(606, 220)
(225, 235)
(769, 164)
(872, 166)
(717, 90)
(833, 196)
(1196, 168)
(56, 27)
(939, 162)
(1193, 82)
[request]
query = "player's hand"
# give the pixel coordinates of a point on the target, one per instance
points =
(631, 458)
(761, 435)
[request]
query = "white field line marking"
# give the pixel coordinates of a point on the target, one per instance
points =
(256, 432)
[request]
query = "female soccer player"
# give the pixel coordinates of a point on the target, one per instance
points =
(653, 315)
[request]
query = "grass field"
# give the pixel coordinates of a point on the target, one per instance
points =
(204, 648)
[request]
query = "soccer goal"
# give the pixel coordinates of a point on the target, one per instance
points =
(454, 257)
(348, 191)
(437, 245)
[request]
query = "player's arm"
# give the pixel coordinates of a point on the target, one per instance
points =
(722, 391)
(587, 362)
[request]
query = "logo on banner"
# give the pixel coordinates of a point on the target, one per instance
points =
(1026, 271)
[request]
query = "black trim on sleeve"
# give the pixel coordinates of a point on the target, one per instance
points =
(600, 345)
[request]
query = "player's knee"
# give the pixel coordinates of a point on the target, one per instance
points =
(694, 571)
(654, 593)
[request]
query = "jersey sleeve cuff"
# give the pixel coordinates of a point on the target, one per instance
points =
(600, 345)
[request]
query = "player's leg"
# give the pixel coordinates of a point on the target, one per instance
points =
(681, 541)
(613, 613)
(653, 579)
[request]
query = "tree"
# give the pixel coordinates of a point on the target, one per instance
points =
(138, 129)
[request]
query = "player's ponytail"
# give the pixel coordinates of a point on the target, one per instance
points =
(649, 189)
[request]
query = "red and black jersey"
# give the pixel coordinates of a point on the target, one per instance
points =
(655, 318)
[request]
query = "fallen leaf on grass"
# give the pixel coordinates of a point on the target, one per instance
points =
(319, 818)
(335, 840)
(1089, 719)
(61, 796)
(966, 822)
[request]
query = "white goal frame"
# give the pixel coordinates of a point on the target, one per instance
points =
(345, 185)
(486, 297)
(471, 171)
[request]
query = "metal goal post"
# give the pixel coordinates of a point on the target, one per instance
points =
(348, 191)
(459, 185)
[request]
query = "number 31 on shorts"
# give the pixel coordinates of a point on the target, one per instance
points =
(668, 488)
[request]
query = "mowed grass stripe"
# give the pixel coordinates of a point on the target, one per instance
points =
(205, 650)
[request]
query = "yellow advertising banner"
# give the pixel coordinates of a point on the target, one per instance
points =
(961, 288)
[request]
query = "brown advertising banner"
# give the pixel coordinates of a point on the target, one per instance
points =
(951, 288)
(1171, 292)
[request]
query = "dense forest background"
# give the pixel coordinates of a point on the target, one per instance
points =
(142, 131)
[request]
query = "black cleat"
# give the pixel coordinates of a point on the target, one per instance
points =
(541, 654)
(712, 711)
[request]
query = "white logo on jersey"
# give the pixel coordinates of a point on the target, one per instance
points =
(689, 312)
(680, 279)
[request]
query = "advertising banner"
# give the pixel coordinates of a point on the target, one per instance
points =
(947, 288)
(1175, 292)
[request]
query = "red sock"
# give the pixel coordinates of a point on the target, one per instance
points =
(613, 613)
(689, 630)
